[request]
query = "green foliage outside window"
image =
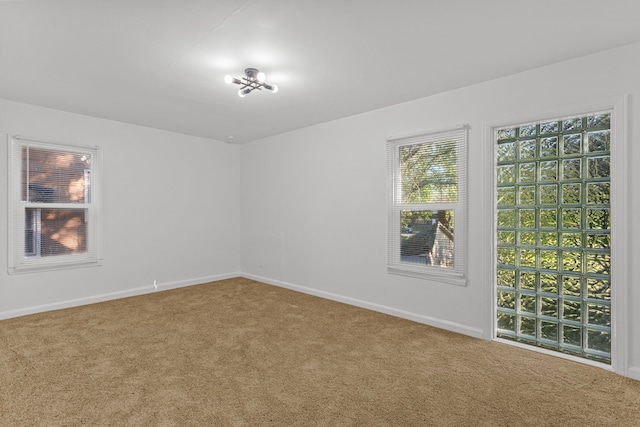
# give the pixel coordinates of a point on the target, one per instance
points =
(554, 240)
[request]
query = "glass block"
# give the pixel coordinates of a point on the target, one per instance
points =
(549, 146)
(506, 174)
(571, 286)
(506, 134)
(599, 167)
(572, 335)
(527, 218)
(549, 306)
(599, 340)
(598, 193)
(549, 171)
(506, 152)
(599, 314)
(527, 149)
(507, 237)
(528, 326)
(507, 256)
(598, 219)
(549, 218)
(548, 260)
(599, 289)
(572, 261)
(506, 218)
(571, 169)
(571, 193)
(572, 240)
(598, 240)
(571, 218)
(527, 280)
(527, 238)
(549, 194)
(527, 195)
(527, 257)
(506, 195)
(549, 283)
(564, 259)
(572, 144)
(526, 131)
(598, 263)
(549, 127)
(548, 239)
(599, 141)
(506, 277)
(572, 124)
(506, 322)
(527, 172)
(572, 310)
(549, 330)
(528, 303)
(506, 299)
(599, 120)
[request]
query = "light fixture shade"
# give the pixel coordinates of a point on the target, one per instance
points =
(261, 77)
(241, 93)
(228, 79)
(275, 89)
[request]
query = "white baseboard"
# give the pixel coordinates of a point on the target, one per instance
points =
(196, 281)
(113, 295)
(634, 373)
(420, 318)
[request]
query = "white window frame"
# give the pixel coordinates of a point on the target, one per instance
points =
(36, 237)
(18, 260)
(395, 265)
(619, 225)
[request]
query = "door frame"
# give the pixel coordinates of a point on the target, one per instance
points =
(620, 193)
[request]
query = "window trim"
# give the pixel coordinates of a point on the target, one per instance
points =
(619, 223)
(454, 276)
(18, 260)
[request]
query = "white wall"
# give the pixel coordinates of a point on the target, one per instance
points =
(170, 211)
(314, 200)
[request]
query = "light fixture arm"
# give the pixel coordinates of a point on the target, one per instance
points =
(253, 79)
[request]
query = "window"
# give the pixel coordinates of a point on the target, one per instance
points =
(427, 205)
(53, 205)
(554, 234)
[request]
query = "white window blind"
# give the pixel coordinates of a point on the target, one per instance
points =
(53, 205)
(427, 175)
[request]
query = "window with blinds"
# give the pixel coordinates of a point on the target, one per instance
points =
(427, 205)
(53, 202)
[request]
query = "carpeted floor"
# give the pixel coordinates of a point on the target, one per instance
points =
(242, 353)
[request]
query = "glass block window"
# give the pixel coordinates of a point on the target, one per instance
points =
(554, 235)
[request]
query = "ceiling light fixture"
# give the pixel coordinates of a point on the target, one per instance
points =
(253, 79)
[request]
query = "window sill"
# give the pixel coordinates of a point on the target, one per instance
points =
(52, 267)
(451, 279)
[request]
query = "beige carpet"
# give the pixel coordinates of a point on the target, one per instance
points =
(242, 353)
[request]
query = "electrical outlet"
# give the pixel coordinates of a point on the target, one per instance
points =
(155, 284)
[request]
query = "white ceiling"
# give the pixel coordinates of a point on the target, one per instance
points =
(161, 63)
